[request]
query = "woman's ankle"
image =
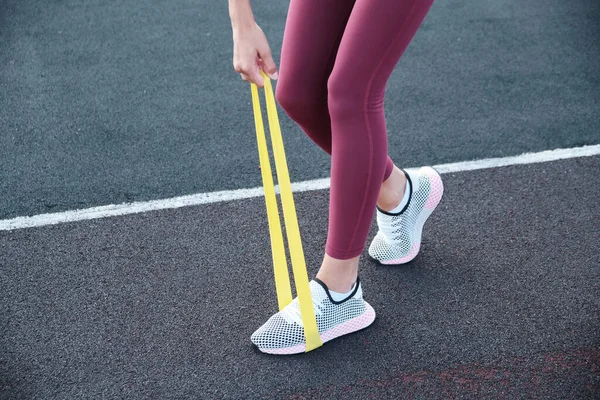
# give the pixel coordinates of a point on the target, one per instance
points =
(338, 275)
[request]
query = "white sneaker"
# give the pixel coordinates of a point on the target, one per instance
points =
(283, 333)
(399, 237)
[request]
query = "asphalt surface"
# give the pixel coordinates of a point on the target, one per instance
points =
(503, 299)
(110, 102)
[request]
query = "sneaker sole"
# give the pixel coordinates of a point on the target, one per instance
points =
(354, 325)
(434, 198)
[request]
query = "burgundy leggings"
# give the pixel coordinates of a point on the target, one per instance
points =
(336, 58)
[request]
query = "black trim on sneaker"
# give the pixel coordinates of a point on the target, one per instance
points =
(320, 282)
(410, 193)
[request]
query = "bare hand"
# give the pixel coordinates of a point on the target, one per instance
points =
(251, 53)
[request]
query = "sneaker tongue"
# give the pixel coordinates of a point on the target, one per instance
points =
(318, 292)
(316, 288)
(292, 314)
(414, 178)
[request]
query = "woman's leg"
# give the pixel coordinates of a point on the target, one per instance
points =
(376, 35)
(373, 41)
(313, 33)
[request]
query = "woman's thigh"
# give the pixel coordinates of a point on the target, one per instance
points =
(376, 35)
(313, 32)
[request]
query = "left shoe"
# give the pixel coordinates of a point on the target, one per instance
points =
(283, 333)
(398, 240)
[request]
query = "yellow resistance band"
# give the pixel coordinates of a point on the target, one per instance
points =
(282, 280)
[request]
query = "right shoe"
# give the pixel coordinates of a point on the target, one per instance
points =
(398, 240)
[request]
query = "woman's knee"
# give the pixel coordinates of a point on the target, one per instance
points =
(298, 102)
(349, 98)
(343, 98)
(283, 94)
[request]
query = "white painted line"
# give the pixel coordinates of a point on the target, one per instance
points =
(527, 158)
(229, 195)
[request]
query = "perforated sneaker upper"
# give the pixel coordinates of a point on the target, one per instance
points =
(285, 329)
(399, 236)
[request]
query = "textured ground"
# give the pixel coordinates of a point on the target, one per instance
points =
(106, 102)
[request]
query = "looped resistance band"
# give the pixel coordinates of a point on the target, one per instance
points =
(282, 279)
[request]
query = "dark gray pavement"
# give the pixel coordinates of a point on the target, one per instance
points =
(503, 301)
(108, 102)
(105, 102)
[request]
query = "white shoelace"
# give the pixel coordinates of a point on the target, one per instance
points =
(388, 224)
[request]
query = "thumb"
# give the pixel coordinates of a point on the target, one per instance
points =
(268, 65)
